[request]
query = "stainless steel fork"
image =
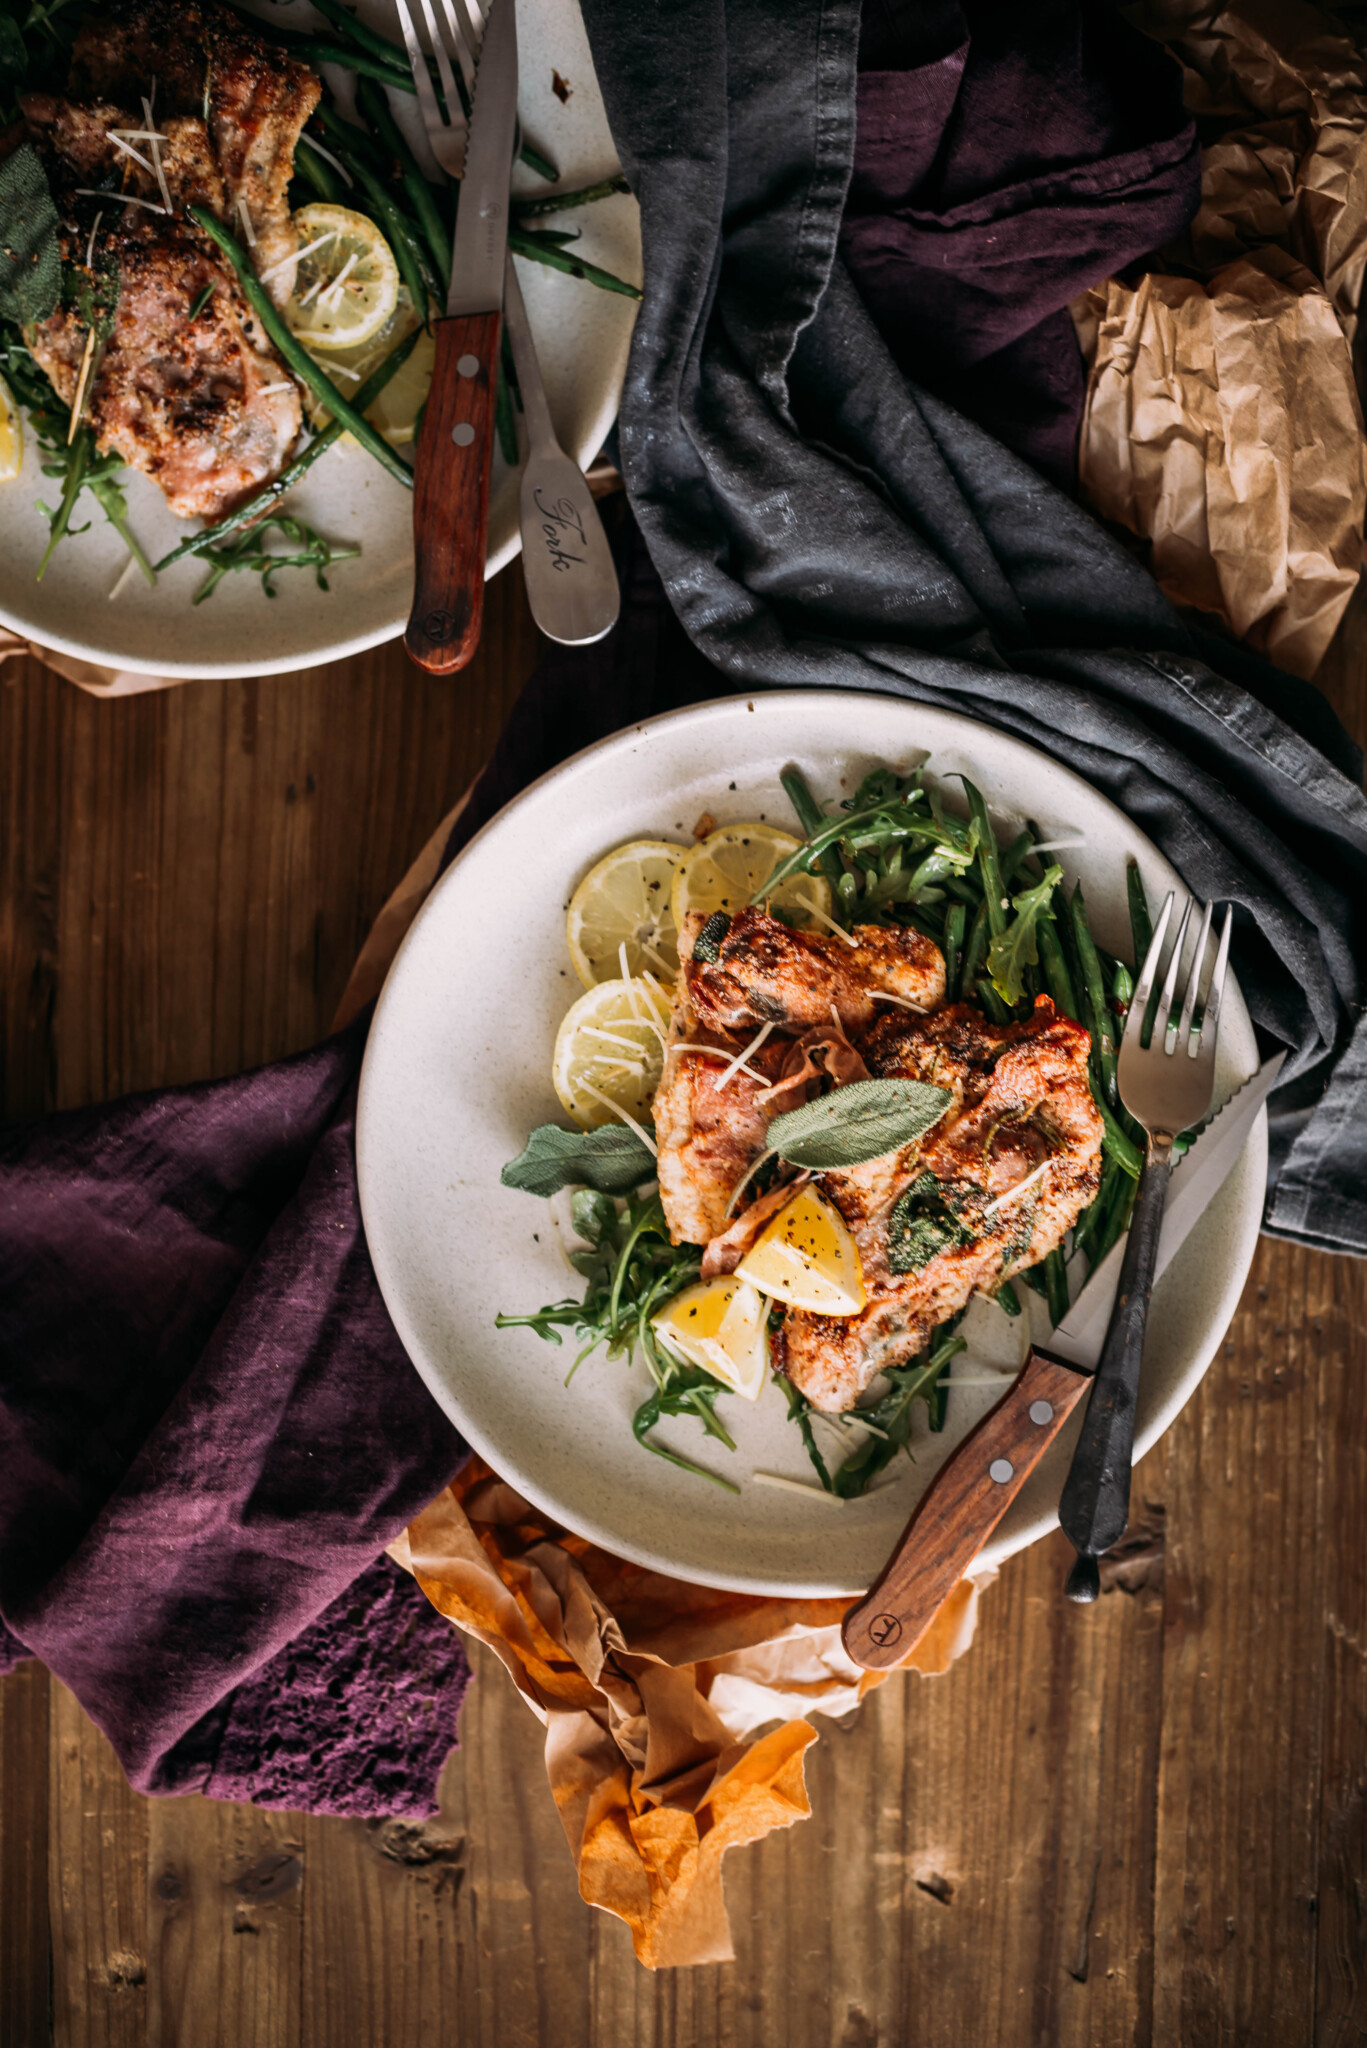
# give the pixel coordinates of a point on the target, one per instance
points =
(1167, 1085)
(447, 129)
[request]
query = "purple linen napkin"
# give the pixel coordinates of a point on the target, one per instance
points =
(1005, 160)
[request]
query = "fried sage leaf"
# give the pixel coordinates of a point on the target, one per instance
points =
(862, 1121)
(612, 1159)
(30, 259)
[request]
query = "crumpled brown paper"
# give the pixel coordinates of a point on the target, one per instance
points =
(658, 1700)
(1223, 427)
(1222, 424)
(86, 675)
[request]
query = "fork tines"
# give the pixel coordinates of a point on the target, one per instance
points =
(1189, 1031)
(455, 38)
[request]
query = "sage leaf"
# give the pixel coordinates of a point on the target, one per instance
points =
(611, 1159)
(863, 1121)
(30, 259)
(1017, 948)
(922, 1224)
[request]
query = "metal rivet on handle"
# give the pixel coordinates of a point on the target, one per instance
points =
(1041, 1412)
(463, 434)
(1001, 1469)
(467, 365)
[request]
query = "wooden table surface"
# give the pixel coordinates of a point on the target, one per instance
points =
(1142, 1822)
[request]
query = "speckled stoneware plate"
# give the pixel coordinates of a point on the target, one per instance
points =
(582, 336)
(456, 1075)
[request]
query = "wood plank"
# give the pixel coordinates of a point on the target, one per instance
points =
(25, 1947)
(1238, 1797)
(1340, 1376)
(97, 1888)
(224, 1924)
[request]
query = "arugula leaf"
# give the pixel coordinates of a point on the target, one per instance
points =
(862, 1121)
(690, 1392)
(922, 1224)
(30, 258)
(918, 1380)
(611, 1159)
(1017, 947)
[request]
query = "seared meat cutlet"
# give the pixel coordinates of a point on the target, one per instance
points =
(1022, 1105)
(203, 407)
(258, 100)
(766, 973)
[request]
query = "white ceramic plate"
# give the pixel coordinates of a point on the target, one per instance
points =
(582, 336)
(456, 1075)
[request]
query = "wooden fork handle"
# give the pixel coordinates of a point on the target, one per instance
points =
(966, 1501)
(451, 494)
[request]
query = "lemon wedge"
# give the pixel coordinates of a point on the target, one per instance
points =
(727, 868)
(395, 412)
(609, 1052)
(11, 436)
(807, 1258)
(347, 285)
(624, 901)
(720, 1325)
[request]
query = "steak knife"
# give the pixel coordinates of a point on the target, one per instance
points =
(972, 1492)
(451, 478)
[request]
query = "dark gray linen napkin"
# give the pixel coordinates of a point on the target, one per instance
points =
(818, 519)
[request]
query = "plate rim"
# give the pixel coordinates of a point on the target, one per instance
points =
(587, 1525)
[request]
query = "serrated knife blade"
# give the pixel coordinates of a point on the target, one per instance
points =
(481, 242)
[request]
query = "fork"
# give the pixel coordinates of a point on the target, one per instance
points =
(447, 129)
(1167, 1085)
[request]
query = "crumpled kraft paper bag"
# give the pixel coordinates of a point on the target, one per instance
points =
(1223, 427)
(86, 675)
(659, 1700)
(1290, 167)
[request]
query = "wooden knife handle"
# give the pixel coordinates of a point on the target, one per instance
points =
(967, 1499)
(451, 494)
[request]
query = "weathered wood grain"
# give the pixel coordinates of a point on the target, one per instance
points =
(1144, 1822)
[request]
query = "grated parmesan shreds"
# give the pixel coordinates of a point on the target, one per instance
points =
(124, 198)
(625, 1115)
(128, 150)
(129, 566)
(332, 297)
(838, 929)
(833, 1500)
(738, 1063)
(328, 157)
(244, 216)
(269, 390)
(1057, 845)
(154, 143)
(883, 995)
(1019, 1188)
(279, 269)
(90, 245)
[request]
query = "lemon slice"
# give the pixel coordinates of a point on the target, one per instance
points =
(609, 1052)
(347, 285)
(11, 436)
(724, 871)
(395, 411)
(624, 901)
(807, 1258)
(720, 1325)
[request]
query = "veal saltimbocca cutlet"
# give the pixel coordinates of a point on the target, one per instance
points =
(173, 103)
(991, 1189)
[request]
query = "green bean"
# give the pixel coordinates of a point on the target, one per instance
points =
(559, 202)
(1007, 1298)
(1056, 1285)
(956, 920)
(989, 861)
(423, 199)
(1098, 1018)
(316, 50)
(1116, 1220)
(991, 1003)
(1114, 1141)
(524, 243)
(351, 138)
(409, 257)
(1057, 980)
(503, 419)
(1014, 859)
(975, 952)
(295, 355)
(365, 38)
(531, 156)
(302, 463)
(1141, 924)
(811, 819)
(318, 172)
